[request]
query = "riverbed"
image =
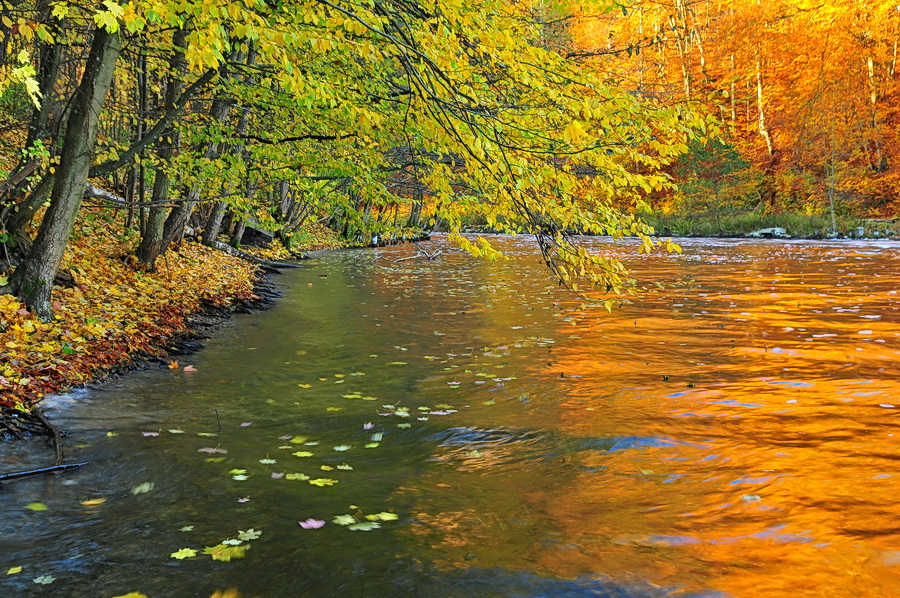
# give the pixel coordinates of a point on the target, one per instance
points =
(462, 427)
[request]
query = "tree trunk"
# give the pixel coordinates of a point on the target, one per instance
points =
(154, 230)
(33, 279)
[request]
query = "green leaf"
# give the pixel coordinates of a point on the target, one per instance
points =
(344, 520)
(44, 579)
(250, 534)
(36, 506)
(183, 553)
(221, 552)
(365, 526)
(302, 454)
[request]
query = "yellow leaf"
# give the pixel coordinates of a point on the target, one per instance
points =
(13, 570)
(93, 502)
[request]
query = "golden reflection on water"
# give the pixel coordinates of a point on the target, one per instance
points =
(734, 433)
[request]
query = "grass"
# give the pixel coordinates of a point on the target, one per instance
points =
(739, 224)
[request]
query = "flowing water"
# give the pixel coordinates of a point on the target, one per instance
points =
(731, 435)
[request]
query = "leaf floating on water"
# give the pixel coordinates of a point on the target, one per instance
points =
(277, 475)
(377, 436)
(268, 461)
(237, 471)
(344, 519)
(250, 534)
(240, 477)
(345, 467)
(311, 523)
(184, 553)
(206, 434)
(13, 570)
(372, 445)
(112, 434)
(297, 476)
(189, 369)
(244, 499)
(212, 451)
(302, 454)
(368, 426)
(299, 439)
(150, 433)
(44, 579)
(383, 516)
(365, 526)
(326, 468)
(224, 553)
(886, 405)
(322, 482)
(186, 528)
(750, 498)
(397, 363)
(342, 447)
(245, 424)
(93, 502)
(36, 506)
(175, 431)
(405, 425)
(334, 409)
(305, 385)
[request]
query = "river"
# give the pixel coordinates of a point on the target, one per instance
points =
(466, 428)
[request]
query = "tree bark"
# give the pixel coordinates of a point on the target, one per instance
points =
(153, 234)
(33, 279)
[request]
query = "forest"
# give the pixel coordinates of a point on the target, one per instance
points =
(146, 138)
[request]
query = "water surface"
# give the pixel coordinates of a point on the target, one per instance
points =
(732, 435)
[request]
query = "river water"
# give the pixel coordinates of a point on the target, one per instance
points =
(732, 435)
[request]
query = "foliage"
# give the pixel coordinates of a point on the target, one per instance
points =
(112, 315)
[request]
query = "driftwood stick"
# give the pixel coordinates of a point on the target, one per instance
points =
(57, 437)
(52, 469)
(252, 258)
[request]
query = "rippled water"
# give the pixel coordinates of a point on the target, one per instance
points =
(732, 435)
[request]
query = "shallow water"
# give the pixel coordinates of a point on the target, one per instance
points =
(732, 435)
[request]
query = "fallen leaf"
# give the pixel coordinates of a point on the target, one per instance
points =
(184, 553)
(212, 451)
(344, 519)
(150, 433)
(244, 499)
(302, 454)
(245, 424)
(345, 467)
(305, 385)
(93, 502)
(365, 526)
(322, 482)
(44, 579)
(297, 476)
(311, 523)
(143, 488)
(250, 534)
(224, 553)
(186, 528)
(189, 368)
(342, 447)
(36, 506)
(268, 461)
(14, 570)
(383, 516)
(173, 365)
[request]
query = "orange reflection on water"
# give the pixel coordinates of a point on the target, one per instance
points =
(735, 433)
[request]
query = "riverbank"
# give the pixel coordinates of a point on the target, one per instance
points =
(794, 225)
(116, 318)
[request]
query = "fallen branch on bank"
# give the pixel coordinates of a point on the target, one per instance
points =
(267, 265)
